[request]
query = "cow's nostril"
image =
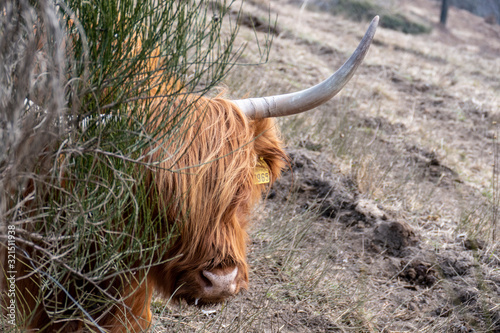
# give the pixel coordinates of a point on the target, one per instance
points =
(205, 281)
(218, 284)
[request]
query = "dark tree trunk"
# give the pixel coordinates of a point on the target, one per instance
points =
(444, 12)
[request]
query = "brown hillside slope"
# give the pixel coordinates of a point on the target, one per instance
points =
(386, 221)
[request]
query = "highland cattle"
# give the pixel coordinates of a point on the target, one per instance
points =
(235, 152)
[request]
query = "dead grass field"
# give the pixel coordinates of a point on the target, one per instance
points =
(387, 220)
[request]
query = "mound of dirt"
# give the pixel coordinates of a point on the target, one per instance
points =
(335, 197)
(389, 247)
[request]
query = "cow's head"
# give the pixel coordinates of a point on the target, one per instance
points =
(208, 183)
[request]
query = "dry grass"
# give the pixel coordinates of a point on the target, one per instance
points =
(413, 132)
(413, 137)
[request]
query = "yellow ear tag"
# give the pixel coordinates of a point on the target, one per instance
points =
(262, 172)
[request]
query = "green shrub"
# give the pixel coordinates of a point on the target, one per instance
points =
(81, 210)
(399, 22)
(361, 10)
(365, 10)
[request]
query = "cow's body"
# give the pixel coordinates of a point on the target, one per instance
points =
(209, 191)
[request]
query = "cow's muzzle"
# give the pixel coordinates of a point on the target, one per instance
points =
(219, 284)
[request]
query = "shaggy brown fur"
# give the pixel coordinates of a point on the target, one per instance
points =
(214, 191)
(206, 188)
(206, 182)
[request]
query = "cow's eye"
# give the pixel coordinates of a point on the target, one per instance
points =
(228, 262)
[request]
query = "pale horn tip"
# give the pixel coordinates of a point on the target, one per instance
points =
(301, 101)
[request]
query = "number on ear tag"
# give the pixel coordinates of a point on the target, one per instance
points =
(262, 172)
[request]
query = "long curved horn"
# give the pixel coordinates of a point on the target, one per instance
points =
(288, 104)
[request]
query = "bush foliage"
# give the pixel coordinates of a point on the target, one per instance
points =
(79, 82)
(365, 10)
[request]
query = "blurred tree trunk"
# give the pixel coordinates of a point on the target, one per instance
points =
(444, 12)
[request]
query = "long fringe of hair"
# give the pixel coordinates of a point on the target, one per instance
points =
(207, 184)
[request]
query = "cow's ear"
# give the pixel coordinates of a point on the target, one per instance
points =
(276, 163)
(269, 147)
